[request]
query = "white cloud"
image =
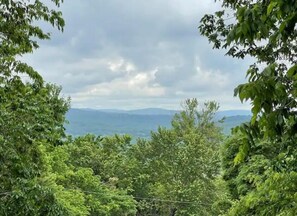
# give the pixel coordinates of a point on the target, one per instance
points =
(132, 84)
(137, 53)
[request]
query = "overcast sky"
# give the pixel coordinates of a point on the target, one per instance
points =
(137, 54)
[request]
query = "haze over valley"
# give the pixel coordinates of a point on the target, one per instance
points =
(137, 123)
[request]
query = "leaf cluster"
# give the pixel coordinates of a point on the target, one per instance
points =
(258, 159)
(20, 30)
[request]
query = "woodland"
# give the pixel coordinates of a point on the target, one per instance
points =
(190, 168)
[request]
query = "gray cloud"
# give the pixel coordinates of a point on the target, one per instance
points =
(136, 53)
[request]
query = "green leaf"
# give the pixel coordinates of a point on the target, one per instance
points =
(271, 6)
(292, 71)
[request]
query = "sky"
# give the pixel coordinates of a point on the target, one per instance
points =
(132, 54)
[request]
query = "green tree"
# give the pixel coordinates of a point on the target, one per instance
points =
(259, 158)
(31, 114)
(80, 179)
(19, 32)
(31, 124)
(179, 164)
(109, 157)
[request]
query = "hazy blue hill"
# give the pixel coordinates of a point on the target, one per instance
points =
(138, 123)
(146, 111)
(111, 110)
(232, 113)
(233, 121)
(107, 123)
(153, 111)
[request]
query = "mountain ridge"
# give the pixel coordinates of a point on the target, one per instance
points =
(162, 111)
(82, 121)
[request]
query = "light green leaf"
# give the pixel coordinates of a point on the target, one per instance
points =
(270, 7)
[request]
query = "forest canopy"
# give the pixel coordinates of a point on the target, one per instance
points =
(46, 172)
(258, 160)
(187, 169)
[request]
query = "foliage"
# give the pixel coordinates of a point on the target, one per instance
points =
(108, 157)
(176, 172)
(19, 31)
(259, 158)
(31, 118)
(31, 115)
(179, 164)
(78, 169)
(43, 172)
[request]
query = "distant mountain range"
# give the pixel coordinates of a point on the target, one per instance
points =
(138, 123)
(229, 113)
(146, 111)
(160, 111)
